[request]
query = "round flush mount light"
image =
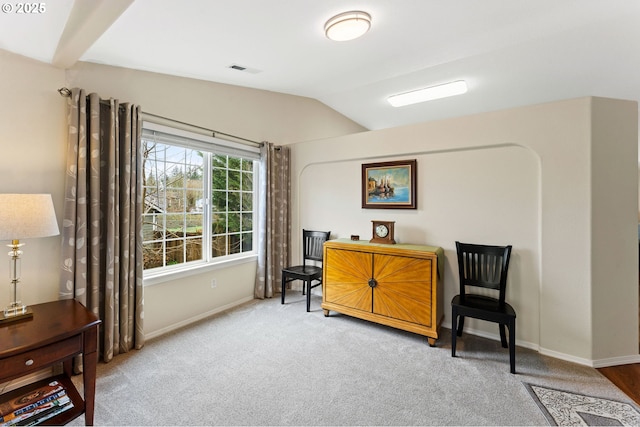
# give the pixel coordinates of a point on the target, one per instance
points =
(347, 26)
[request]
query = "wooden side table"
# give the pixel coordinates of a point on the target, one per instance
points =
(58, 331)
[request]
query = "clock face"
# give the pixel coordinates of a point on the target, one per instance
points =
(382, 230)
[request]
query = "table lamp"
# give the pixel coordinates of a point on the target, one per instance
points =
(23, 216)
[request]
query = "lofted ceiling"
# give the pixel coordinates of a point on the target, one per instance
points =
(510, 52)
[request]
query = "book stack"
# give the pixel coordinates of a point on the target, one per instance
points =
(35, 406)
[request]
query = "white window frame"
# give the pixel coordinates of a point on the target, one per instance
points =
(213, 145)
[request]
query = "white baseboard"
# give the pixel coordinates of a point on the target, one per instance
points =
(599, 363)
(197, 318)
(494, 337)
(615, 361)
(566, 357)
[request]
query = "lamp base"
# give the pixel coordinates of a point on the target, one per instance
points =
(27, 314)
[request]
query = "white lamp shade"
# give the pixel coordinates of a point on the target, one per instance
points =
(24, 216)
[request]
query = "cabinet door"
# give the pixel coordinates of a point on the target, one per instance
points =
(404, 288)
(347, 278)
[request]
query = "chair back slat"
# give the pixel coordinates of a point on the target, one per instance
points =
(312, 244)
(483, 266)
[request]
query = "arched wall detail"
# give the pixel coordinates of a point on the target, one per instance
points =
(574, 144)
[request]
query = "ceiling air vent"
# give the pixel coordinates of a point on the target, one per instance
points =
(243, 68)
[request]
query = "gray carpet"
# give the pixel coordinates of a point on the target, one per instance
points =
(264, 363)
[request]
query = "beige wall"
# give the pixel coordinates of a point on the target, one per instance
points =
(33, 139)
(32, 136)
(253, 114)
(557, 180)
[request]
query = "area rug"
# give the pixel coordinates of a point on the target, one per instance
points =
(564, 408)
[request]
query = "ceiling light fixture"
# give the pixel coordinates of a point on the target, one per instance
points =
(347, 26)
(428, 94)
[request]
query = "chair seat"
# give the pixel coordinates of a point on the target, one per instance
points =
(303, 272)
(483, 303)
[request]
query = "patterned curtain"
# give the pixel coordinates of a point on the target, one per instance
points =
(102, 226)
(274, 225)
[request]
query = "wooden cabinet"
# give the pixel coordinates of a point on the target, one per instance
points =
(394, 285)
(57, 332)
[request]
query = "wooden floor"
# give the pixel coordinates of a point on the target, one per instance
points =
(626, 377)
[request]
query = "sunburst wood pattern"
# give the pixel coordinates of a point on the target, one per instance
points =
(396, 285)
(404, 288)
(349, 273)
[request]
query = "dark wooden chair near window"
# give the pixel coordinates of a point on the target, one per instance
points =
(484, 266)
(309, 272)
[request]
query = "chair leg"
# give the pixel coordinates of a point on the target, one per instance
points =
(512, 345)
(503, 336)
(460, 325)
(454, 319)
(308, 286)
(284, 286)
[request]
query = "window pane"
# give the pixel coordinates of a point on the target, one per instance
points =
(219, 179)
(219, 246)
(247, 242)
(234, 180)
(175, 154)
(234, 244)
(247, 181)
(152, 254)
(194, 224)
(219, 223)
(235, 163)
(234, 201)
(219, 201)
(234, 222)
(175, 177)
(194, 249)
(219, 161)
(175, 224)
(247, 201)
(195, 200)
(174, 252)
(150, 227)
(247, 221)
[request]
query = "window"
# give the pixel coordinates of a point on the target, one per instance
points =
(199, 204)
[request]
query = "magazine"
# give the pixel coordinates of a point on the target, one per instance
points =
(29, 398)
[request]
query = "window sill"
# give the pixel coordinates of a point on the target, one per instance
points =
(191, 270)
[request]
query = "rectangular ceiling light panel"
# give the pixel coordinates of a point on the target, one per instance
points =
(428, 94)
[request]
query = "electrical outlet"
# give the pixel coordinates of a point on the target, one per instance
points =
(214, 283)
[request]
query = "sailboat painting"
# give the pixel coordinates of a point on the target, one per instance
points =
(389, 185)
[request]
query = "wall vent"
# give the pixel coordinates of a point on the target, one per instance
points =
(244, 69)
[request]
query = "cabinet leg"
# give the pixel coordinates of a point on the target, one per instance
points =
(326, 313)
(432, 342)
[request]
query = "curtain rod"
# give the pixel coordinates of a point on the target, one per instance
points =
(65, 92)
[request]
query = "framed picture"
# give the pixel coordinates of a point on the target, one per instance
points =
(389, 185)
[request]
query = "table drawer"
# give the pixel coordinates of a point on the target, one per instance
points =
(41, 357)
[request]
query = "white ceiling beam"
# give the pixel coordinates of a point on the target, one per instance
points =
(88, 20)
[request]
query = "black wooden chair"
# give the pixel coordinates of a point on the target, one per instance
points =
(484, 266)
(312, 247)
